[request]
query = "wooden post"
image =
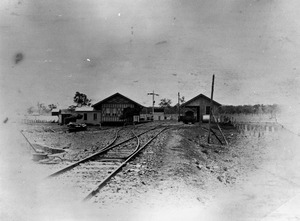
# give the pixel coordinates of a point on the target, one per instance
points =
(178, 105)
(211, 104)
(220, 129)
(153, 101)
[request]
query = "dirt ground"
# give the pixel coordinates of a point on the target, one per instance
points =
(177, 177)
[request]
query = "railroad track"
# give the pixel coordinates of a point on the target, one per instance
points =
(92, 173)
(102, 151)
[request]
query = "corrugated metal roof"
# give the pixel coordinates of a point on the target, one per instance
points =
(84, 108)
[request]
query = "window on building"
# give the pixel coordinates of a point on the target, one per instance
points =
(207, 111)
(114, 110)
(85, 116)
(95, 116)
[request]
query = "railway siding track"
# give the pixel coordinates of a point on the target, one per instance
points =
(131, 157)
(98, 153)
(92, 173)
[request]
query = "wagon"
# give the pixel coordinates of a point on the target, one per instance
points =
(74, 127)
(188, 118)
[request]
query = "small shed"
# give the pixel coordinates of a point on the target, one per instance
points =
(55, 112)
(146, 114)
(159, 114)
(89, 115)
(200, 105)
(63, 114)
(171, 113)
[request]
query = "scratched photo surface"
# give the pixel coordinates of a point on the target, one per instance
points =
(150, 52)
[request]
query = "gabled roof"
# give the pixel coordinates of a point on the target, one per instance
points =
(197, 97)
(114, 95)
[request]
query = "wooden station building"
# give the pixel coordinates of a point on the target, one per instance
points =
(200, 106)
(105, 112)
(111, 108)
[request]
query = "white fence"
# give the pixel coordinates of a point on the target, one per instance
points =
(287, 121)
(40, 119)
(248, 118)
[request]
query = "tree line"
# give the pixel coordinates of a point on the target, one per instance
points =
(79, 99)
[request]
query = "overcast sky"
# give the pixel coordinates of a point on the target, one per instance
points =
(136, 46)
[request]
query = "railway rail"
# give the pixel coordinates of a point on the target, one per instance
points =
(99, 153)
(93, 172)
(115, 171)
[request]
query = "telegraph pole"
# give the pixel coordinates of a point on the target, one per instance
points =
(178, 105)
(211, 104)
(153, 102)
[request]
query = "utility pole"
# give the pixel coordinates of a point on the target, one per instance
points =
(211, 104)
(178, 105)
(39, 107)
(153, 102)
